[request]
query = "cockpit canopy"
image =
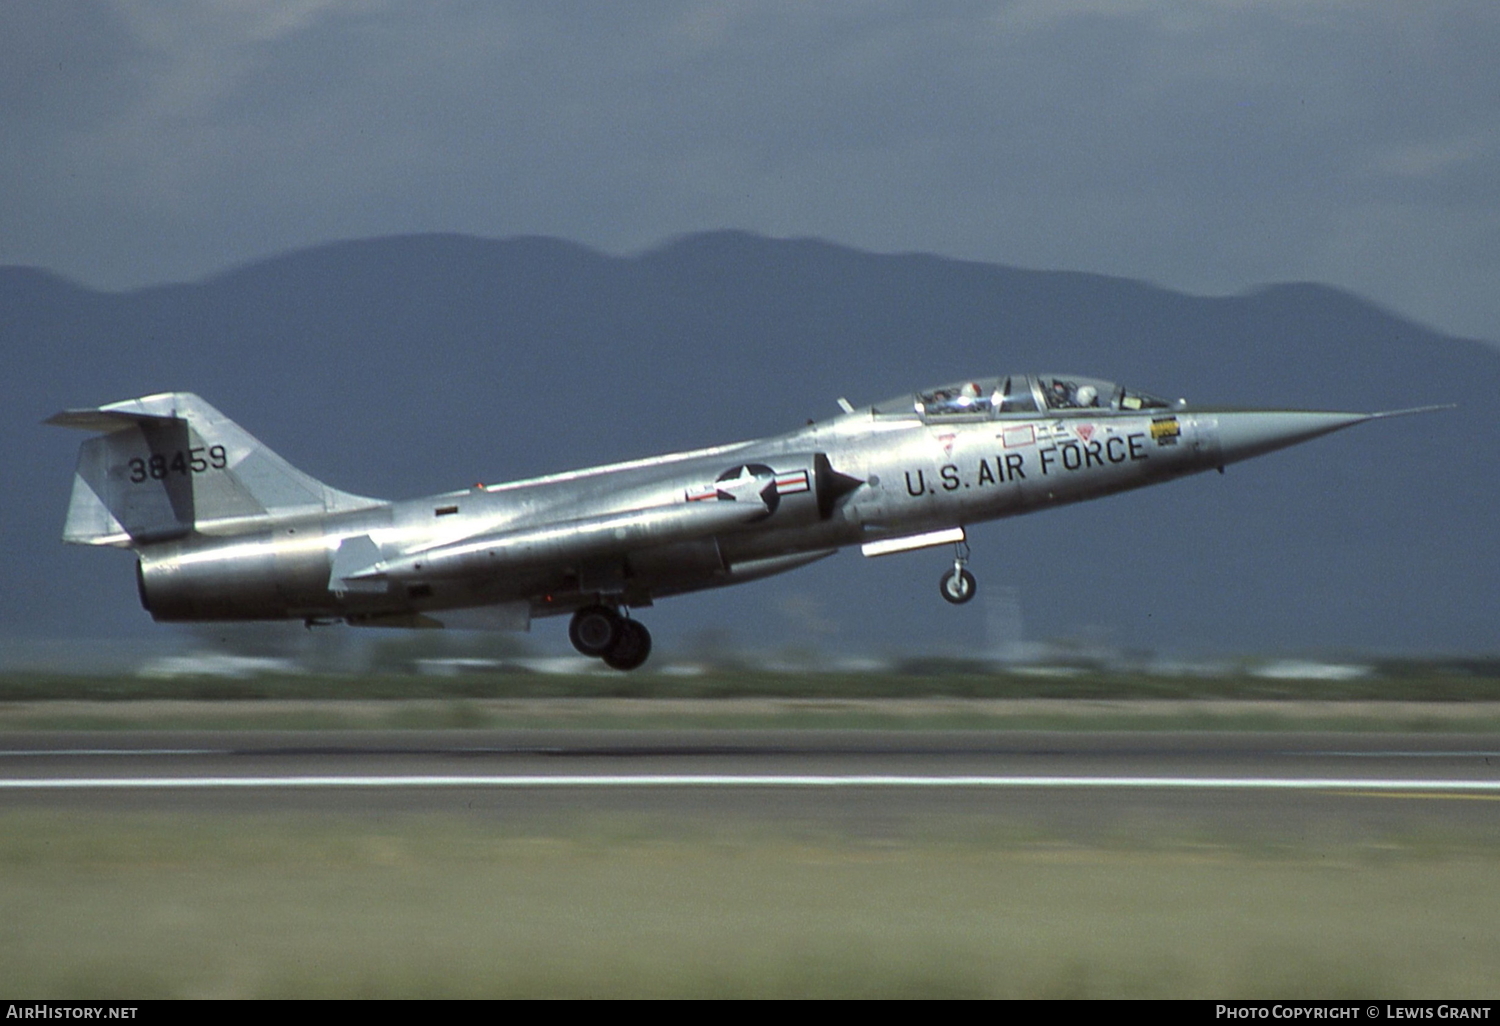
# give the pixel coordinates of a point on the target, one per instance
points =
(1021, 393)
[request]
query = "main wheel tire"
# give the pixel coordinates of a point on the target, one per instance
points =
(595, 630)
(958, 586)
(631, 647)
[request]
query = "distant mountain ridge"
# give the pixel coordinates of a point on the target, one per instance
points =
(405, 365)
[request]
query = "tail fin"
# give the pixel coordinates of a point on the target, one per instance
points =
(170, 464)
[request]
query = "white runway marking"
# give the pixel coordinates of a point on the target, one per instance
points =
(1402, 755)
(781, 781)
(23, 753)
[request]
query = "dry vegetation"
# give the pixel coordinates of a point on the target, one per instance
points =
(180, 906)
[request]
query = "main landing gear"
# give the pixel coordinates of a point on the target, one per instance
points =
(958, 585)
(602, 633)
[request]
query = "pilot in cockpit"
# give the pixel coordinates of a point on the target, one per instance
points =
(1068, 395)
(966, 398)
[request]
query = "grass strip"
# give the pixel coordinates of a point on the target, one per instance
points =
(155, 905)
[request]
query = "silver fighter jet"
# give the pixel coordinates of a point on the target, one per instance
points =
(227, 530)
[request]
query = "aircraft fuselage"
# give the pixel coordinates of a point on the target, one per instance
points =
(227, 530)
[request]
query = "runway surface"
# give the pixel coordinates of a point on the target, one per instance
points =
(1301, 786)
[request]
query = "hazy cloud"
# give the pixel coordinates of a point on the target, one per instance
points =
(1211, 146)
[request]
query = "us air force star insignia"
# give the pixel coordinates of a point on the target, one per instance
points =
(748, 484)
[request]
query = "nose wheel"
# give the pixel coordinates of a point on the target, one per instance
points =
(958, 585)
(602, 633)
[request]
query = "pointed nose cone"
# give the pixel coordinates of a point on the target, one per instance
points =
(1247, 433)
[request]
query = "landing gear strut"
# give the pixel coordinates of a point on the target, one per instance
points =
(958, 585)
(602, 633)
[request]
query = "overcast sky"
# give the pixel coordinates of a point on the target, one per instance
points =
(1208, 146)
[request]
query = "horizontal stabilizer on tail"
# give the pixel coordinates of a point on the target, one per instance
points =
(106, 420)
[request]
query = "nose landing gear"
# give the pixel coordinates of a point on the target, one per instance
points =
(958, 585)
(602, 633)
